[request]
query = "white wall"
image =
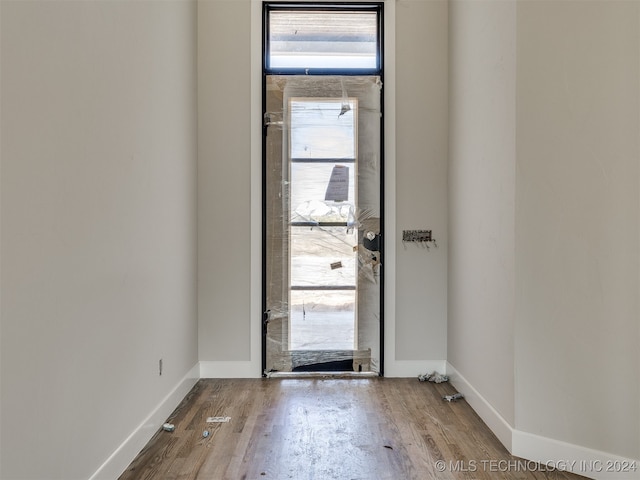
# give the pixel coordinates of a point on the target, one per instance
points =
(98, 241)
(544, 191)
(224, 181)
(421, 131)
(482, 196)
(577, 223)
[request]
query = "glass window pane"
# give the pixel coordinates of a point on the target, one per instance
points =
(316, 39)
(323, 322)
(310, 183)
(323, 256)
(323, 128)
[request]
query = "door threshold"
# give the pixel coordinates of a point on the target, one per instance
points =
(322, 375)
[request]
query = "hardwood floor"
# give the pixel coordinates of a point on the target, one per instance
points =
(328, 428)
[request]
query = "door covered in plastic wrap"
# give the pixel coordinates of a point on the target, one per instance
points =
(322, 240)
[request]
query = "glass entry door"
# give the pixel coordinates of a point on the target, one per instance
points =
(322, 224)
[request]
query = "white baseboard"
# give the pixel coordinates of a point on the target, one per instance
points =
(125, 453)
(489, 415)
(574, 458)
(240, 369)
(546, 451)
(412, 368)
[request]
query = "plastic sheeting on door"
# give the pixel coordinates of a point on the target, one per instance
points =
(323, 223)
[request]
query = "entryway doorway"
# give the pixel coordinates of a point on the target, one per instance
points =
(322, 189)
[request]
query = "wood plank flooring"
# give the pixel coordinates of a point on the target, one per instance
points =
(328, 428)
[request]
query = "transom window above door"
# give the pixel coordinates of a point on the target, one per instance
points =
(323, 37)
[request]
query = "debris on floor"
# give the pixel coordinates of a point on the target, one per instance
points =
(453, 398)
(168, 427)
(218, 419)
(433, 377)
